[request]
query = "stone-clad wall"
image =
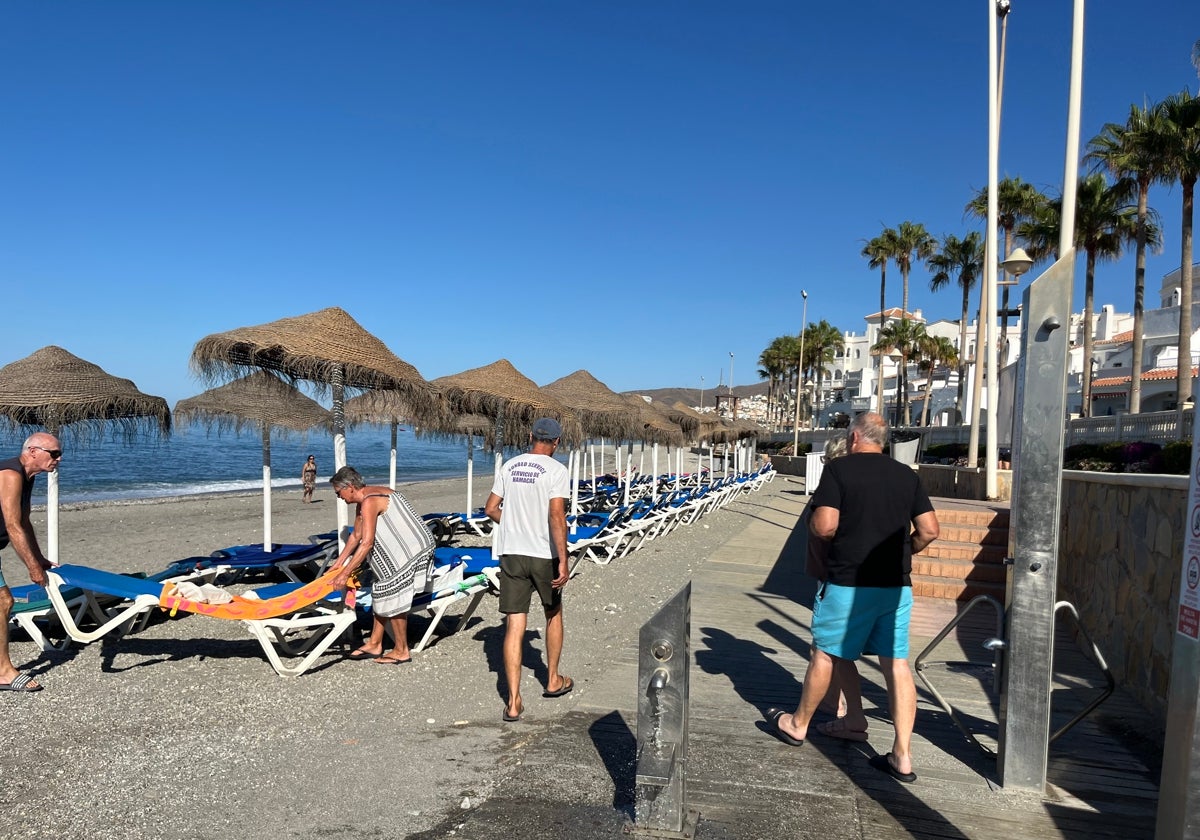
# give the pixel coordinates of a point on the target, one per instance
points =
(1119, 562)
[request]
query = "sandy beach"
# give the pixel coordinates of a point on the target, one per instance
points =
(184, 730)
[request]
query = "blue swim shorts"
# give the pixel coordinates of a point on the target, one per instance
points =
(848, 620)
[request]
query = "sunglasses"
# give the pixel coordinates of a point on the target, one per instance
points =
(53, 453)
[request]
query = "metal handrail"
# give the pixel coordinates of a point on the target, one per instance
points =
(997, 645)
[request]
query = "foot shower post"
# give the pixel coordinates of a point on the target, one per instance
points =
(664, 660)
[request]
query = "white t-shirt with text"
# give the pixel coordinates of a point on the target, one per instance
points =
(527, 483)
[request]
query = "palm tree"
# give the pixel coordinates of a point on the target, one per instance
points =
(825, 340)
(903, 337)
(1105, 222)
(911, 241)
(1016, 202)
(1181, 160)
(1196, 58)
(1134, 150)
(772, 368)
(934, 350)
(960, 261)
(878, 251)
(779, 361)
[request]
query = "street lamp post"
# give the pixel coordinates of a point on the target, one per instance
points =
(732, 402)
(800, 374)
(701, 394)
(1017, 264)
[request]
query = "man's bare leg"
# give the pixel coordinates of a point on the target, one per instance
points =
(816, 683)
(902, 701)
(554, 645)
(514, 636)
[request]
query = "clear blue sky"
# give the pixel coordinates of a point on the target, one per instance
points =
(634, 188)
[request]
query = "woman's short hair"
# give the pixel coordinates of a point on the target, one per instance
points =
(835, 447)
(347, 477)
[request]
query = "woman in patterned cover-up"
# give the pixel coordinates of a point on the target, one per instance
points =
(391, 534)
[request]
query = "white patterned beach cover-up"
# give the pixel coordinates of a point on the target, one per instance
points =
(400, 558)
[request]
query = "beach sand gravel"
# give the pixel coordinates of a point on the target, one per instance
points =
(184, 730)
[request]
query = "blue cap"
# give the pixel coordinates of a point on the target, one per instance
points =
(546, 428)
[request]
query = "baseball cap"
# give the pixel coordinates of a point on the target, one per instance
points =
(546, 428)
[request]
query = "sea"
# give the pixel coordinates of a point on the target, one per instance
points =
(194, 461)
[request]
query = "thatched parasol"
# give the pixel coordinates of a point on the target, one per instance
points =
(329, 349)
(501, 392)
(54, 390)
(652, 425)
(262, 401)
(500, 395)
(602, 412)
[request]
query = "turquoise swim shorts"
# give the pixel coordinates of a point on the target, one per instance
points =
(848, 620)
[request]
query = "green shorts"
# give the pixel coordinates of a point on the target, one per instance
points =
(521, 576)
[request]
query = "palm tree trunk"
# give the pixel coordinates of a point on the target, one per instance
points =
(1088, 307)
(879, 381)
(962, 355)
(1183, 375)
(1139, 297)
(906, 414)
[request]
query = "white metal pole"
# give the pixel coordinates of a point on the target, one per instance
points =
(654, 479)
(266, 456)
(992, 264)
(392, 462)
(470, 470)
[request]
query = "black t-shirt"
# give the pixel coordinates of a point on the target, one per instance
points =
(26, 494)
(877, 499)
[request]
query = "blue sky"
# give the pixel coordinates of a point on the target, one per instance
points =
(637, 189)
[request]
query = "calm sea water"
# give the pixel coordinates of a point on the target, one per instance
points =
(192, 461)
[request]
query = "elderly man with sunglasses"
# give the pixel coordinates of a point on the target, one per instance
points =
(41, 453)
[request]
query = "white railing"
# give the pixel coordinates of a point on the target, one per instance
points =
(1151, 427)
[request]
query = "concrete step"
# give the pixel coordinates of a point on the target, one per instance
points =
(959, 570)
(950, 589)
(965, 552)
(967, 559)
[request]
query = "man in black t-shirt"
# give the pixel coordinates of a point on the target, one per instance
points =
(875, 514)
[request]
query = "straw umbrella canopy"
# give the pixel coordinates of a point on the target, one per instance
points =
(652, 425)
(501, 396)
(503, 393)
(685, 417)
(602, 412)
(55, 390)
(327, 348)
(389, 408)
(261, 401)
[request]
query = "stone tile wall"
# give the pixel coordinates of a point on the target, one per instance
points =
(1121, 546)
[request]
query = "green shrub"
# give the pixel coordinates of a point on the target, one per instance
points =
(1175, 458)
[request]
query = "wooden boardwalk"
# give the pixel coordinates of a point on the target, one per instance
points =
(750, 636)
(750, 646)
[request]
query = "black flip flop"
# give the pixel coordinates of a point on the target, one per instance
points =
(884, 763)
(565, 688)
(360, 655)
(510, 718)
(773, 716)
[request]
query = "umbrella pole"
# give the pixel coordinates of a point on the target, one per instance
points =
(339, 447)
(470, 470)
(573, 458)
(601, 456)
(52, 513)
(392, 474)
(654, 479)
(266, 439)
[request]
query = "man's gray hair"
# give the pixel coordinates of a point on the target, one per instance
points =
(871, 427)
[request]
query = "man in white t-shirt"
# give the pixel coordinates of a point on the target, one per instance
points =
(530, 539)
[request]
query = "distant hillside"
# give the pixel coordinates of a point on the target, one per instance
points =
(691, 396)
